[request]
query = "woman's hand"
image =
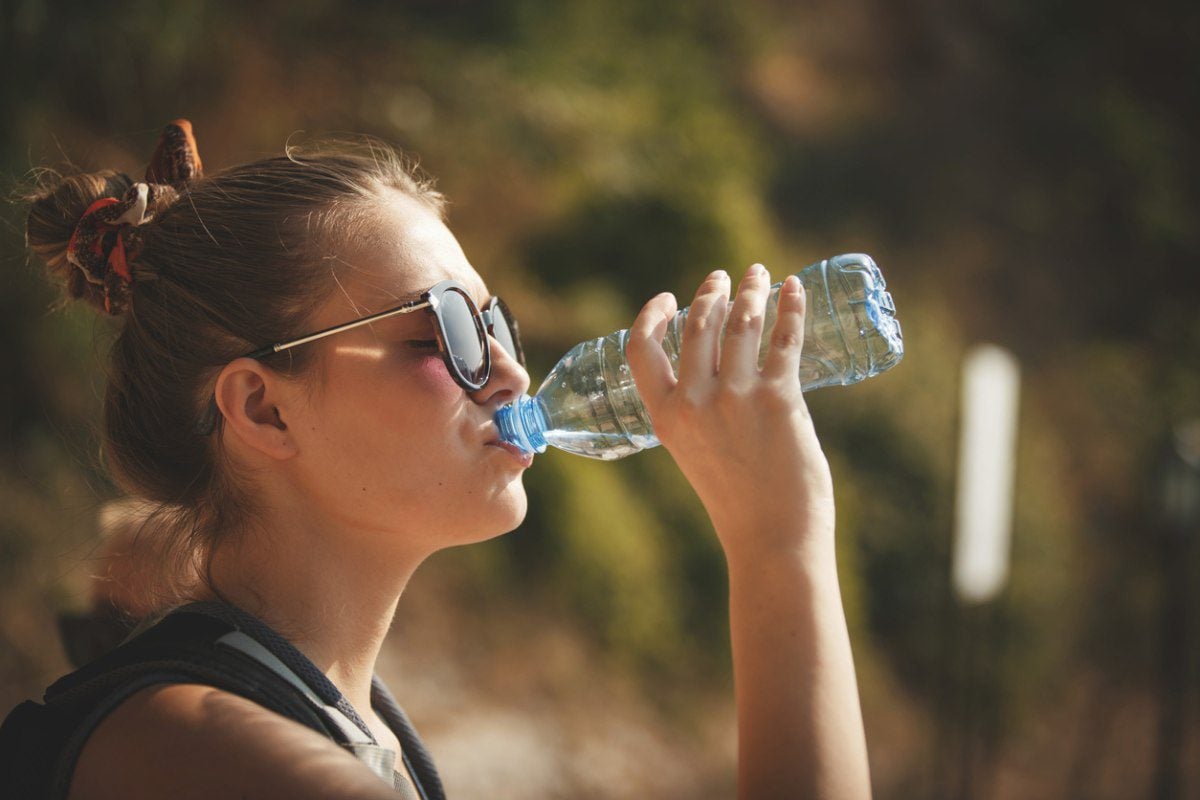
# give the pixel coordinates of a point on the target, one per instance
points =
(742, 437)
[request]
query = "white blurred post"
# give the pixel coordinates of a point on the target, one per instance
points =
(986, 470)
(982, 535)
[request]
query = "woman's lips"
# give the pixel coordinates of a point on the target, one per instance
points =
(525, 459)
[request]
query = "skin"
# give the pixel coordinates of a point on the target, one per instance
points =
(382, 460)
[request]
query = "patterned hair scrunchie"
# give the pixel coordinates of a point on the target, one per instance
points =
(105, 243)
(98, 248)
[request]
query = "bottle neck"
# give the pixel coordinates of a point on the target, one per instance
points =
(523, 424)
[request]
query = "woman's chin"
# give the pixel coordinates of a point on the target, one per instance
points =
(506, 512)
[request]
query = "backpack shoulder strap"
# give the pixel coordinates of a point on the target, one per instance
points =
(416, 758)
(350, 732)
(207, 643)
(259, 641)
(40, 743)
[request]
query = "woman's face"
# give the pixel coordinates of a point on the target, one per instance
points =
(388, 443)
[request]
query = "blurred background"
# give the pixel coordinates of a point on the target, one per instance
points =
(1025, 173)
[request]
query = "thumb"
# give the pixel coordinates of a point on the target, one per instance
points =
(648, 362)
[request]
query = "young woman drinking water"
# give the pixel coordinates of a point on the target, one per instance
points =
(304, 384)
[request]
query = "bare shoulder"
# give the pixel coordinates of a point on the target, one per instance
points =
(187, 740)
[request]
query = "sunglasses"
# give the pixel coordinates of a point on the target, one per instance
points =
(462, 331)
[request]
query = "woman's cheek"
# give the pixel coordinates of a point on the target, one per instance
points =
(431, 371)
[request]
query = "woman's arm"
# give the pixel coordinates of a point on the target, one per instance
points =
(745, 441)
(190, 741)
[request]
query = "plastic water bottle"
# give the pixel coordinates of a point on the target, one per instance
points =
(589, 403)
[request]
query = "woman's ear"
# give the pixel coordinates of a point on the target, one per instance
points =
(252, 400)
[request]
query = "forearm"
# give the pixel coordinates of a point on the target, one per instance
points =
(800, 730)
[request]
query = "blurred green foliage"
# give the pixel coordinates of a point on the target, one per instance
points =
(1025, 173)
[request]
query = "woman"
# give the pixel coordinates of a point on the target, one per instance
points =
(309, 480)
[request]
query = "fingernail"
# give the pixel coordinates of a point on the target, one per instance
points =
(757, 269)
(718, 273)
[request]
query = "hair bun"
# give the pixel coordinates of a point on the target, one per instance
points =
(55, 210)
(84, 240)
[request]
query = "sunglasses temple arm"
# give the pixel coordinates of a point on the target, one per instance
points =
(312, 337)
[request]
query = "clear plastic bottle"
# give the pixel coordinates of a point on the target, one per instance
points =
(589, 404)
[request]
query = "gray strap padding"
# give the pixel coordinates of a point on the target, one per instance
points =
(381, 760)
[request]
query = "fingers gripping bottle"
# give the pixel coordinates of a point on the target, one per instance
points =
(589, 403)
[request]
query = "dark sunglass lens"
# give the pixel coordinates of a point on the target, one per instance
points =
(505, 332)
(463, 336)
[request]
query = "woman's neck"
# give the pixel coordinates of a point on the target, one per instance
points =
(334, 601)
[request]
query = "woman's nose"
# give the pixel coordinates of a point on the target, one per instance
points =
(509, 380)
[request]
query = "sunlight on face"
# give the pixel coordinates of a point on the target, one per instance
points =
(375, 353)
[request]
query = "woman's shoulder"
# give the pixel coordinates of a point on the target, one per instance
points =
(191, 740)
